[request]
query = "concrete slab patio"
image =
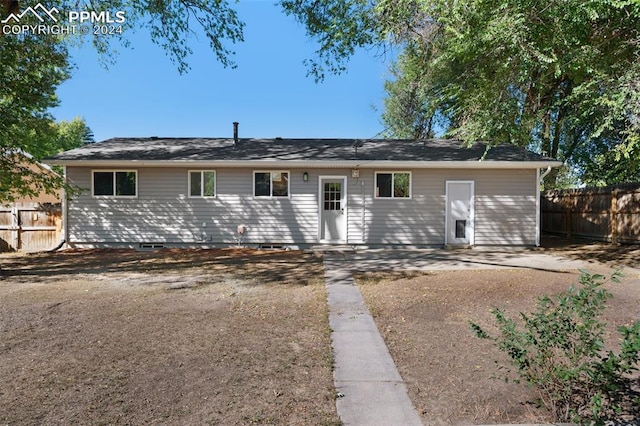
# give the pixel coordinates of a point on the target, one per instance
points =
(439, 259)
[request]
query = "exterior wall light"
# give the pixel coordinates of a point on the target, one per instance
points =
(305, 177)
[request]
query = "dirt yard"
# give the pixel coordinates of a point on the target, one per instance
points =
(242, 337)
(171, 337)
(453, 377)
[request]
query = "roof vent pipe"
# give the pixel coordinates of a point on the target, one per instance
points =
(235, 132)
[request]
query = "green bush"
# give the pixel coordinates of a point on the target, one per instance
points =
(560, 350)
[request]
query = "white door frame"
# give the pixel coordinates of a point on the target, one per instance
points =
(320, 207)
(472, 225)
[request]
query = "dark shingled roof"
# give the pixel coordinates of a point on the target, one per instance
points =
(224, 149)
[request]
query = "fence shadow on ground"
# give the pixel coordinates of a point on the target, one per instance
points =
(625, 255)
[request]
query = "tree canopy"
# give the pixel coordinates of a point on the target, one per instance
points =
(34, 65)
(171, 24)
(32, 68)
(560, 77)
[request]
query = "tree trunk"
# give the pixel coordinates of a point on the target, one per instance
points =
(546, 134)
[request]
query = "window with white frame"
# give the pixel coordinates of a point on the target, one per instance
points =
(115, 183)
(393, 184)
(271, 184)
(202, 183)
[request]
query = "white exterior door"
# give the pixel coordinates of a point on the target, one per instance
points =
(459, 223)
(333, 209)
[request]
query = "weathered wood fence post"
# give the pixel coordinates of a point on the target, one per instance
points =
(14, 226)
(568, 213)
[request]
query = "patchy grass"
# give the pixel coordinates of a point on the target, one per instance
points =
(178, 337)
(452, 376)
(242, 337)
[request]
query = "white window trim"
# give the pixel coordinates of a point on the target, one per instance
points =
(114, 171)
(270, 196)
(392, 172)
(202, 171)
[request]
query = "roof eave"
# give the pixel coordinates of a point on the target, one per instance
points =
(331, 164)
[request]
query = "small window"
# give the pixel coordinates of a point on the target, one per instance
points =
(115, 183)
(271, 184)
(332, 196)
(202, 183)
(393, 185)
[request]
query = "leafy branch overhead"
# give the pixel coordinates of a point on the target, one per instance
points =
(33, 66)
(172, 24)
(561, 77)
(339, 28)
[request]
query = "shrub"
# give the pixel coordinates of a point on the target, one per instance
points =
(560, 350)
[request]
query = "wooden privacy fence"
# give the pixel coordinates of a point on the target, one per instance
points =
(30, 226)
(609, 213)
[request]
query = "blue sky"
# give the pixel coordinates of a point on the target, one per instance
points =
(268, 93)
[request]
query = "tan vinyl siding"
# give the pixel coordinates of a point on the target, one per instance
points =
(162, 211)
(505, 203)
(418, 220)
(505, 209)
(269, 220)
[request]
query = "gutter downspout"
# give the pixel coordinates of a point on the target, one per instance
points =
(539, 179)
(544, 175)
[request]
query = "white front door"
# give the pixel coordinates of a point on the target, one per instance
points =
(459, 223)
(333, 209)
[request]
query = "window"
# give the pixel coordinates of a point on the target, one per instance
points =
(332, 195)
(202, 183)
(115, 183)
(393, 185)
(271, 184)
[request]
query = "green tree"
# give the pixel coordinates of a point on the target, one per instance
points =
(608, 161)
(170, 23)
(32, 68)
(68, 135)
(33, 65)
(555, 75)
(29, 178)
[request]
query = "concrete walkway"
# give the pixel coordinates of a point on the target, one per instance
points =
(370, 389)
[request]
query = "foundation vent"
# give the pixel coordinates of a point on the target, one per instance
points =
(151, 246)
